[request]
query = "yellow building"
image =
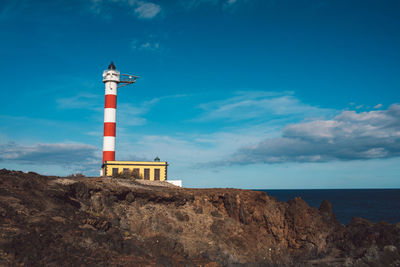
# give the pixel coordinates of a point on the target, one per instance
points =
(150, 170)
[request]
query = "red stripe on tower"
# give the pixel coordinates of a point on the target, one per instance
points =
(108, 155)
(109, 129)
(111, 101)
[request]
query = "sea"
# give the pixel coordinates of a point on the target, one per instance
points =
(375, 205)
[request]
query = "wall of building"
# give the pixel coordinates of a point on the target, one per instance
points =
(141, 166)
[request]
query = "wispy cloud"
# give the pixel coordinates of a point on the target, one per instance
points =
(256, 105)
(146, 10)
(129, 114)
(132, 115)
(95, 6)
(140, 9)
(191, 150)
(69, 155)
(348, 136)
(148, 45)
(80, 101)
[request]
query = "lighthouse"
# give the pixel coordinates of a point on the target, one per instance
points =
(112, 80)
(149, 170)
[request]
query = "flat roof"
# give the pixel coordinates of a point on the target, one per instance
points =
(122, 162)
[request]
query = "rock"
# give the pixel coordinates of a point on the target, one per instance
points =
(390, 248)
(198, 210)
(181, 216)
(215, 213)
(130, 197)
(327, 212)
(101, 221)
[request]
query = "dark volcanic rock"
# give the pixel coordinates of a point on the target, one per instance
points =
(100, 221)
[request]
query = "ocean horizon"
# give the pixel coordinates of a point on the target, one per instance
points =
(375, 205)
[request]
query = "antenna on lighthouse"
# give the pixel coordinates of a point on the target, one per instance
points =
(112, 80)
(127, 79)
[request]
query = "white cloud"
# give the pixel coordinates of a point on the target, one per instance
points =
(81, 157)
(378, 106)
(131, 115)
(80, 101)
(348, 136)
(141, 9)
(256, 105)
(190, 150)
(148, 45)
(146, 10)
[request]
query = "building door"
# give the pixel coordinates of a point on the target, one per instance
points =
(114, 171)
(156, 174)
(147, 174)
(136, 173)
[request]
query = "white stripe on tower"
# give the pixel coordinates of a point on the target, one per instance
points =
(110, 115)
(111, 80)
(109, 143)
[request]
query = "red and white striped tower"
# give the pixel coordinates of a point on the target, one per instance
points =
(111, 80)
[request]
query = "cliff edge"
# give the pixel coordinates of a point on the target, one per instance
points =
(56, 221)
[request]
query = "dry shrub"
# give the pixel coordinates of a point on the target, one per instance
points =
(76, 175)
(129, 175)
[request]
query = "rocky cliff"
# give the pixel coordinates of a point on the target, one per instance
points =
(57, 221)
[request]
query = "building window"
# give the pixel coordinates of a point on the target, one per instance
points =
(136, 172)
(147, 174)
(157, 174)
(126, 170)
(114, 171)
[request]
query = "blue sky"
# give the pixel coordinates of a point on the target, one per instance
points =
(247, 94)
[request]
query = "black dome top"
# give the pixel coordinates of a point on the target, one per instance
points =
(111, 66)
